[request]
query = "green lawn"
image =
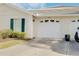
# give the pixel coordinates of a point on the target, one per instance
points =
(10, 43)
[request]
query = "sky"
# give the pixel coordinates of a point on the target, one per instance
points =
(44, 5)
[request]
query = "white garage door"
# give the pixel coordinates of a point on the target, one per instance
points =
(48, 30)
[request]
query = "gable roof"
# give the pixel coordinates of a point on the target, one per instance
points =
(56, 11)
(17, 8)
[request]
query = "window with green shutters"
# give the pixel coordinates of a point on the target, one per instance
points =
(12, 24)
(23, 25)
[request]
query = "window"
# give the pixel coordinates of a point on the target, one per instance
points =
(46, 20)
(33, 20)
(12, 24)
(23, 24)
(41, 21)
(78, 28)
(78, 20)
(51, 20)
(57, 21)
(73, 21)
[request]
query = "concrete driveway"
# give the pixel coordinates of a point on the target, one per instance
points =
(42, 47)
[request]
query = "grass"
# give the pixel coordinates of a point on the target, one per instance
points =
(10, 43)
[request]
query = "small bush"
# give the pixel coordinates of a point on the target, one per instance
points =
(11, 34)
(5, 33)
(20, 35)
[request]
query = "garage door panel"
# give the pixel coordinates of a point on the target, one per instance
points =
(48, 30)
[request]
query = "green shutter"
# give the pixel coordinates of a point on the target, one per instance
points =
(12, 24)
(23, 25)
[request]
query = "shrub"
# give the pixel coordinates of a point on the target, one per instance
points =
(20, 35)
(11, 34)
(5, 33)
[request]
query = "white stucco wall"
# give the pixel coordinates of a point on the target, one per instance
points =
(29, 26)
(6, 13)
(66, 25)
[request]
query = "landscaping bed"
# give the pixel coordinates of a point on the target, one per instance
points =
(4, 40)
(10, 43)
(10, 38)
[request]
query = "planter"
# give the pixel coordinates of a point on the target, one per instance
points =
(76, 37)
(67, 37)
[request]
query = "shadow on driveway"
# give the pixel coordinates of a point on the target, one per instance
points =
(59, 46)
